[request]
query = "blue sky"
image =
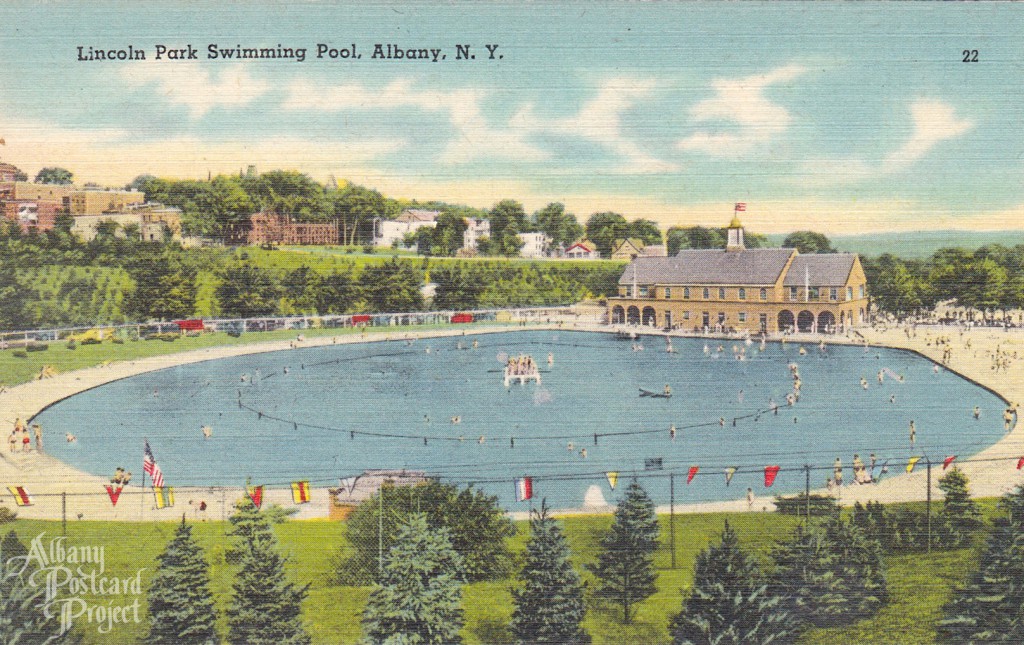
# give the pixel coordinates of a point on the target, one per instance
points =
(839, 117)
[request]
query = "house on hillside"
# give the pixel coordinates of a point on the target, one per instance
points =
(583, 250)
(736, 288)
(476, 228)
(386, 231)
(535, 245)
(627, 249)
(273, 228)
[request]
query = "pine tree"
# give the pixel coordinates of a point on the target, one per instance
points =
(549, 605)
(625, 565)
(858, 565)
(805, 578)
(180, 604)
(417, 600)
(989, 608)
(729, 602)
(23, 617)
(960, 515)
(266, 608)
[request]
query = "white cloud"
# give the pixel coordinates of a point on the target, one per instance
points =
(934, 122)
(600, 120)
(192, 85)
(755, 119)
(115, 157)
(474, 136)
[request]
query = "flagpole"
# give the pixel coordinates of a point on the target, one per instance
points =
(142, 495)
(929, 497)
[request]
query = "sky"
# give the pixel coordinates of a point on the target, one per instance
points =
(839, 117)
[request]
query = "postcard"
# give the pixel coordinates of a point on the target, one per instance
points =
(557, 322)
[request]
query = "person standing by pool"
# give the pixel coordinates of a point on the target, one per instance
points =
(750, 499)
(38, 431)
(12, 441)
(837, 471)
(26, 441)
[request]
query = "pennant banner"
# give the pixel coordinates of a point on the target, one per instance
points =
(114, 493)
(613, 478)
(692, 473)
(948, 461)
(255, 493)
(770, 473)
(524, 489)
(729, 472)
(911, 463)
(300, 492)
(21, 496)
(1020, 463)
(164, 496)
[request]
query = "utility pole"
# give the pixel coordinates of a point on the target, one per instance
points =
(672, 515)
(929, 498)
(807, 492)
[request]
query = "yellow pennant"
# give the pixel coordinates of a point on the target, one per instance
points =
(911, 463)
(164, 496)
(613, 478)
(300, 492)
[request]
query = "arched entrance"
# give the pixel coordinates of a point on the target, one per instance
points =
(618, 315)
(785, 320)
(805, 321)
(633, 316)
(827, 322)
(650, 318)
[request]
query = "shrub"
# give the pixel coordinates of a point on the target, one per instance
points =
(36, 347)
(797, 505)
(19, 353)
(91, 341)
(117, 341)
(72, 344)
(369, 249)
(7, 515)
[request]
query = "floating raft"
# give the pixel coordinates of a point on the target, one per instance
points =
(655, 395)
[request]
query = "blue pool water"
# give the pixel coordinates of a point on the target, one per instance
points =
(592, 387)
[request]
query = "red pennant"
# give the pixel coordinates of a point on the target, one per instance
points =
(114, 494)
(1020, 462)
(769, 475)
(948, 461)
(256, 495)
(692, 474)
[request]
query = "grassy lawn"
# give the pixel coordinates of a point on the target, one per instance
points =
(919, 584)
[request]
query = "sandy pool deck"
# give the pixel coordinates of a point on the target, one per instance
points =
(56, 486)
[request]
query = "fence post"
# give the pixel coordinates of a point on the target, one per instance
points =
(929, 504)
(672, 515)
(380, 530)
(64, 513)
(807, 492)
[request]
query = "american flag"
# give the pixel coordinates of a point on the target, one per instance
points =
(741, 207)
(150, 467)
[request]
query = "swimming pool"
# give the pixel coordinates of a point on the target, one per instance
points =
(323, 413)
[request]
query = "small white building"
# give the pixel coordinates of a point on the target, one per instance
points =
(386, 231)
(535, 245)
(582, 251)
(476, 228)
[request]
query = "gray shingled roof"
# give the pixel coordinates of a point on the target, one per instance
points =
(712, 266)
(825, 270)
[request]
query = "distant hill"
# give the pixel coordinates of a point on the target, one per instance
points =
(917, 244)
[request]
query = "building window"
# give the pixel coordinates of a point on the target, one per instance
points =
(764, 294)
(721, 293)
(743, 293)
(707, 293)
(792, 293)
(833, 294)
(743, 316)
(849, 293)
(813, 294)
(643, 292)
(763, 319)
(686, 293)
(861, 291)
(668, 293)
(686, 315)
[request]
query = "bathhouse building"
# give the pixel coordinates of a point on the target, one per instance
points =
(741, 289)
